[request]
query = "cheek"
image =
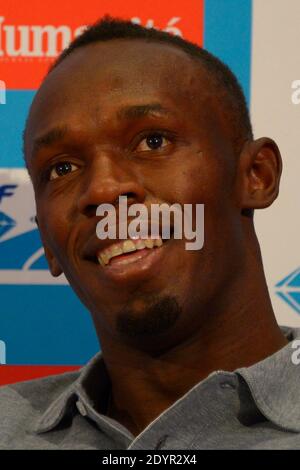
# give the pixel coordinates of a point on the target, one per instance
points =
(206, 181)
(199, 180)
(55, 224)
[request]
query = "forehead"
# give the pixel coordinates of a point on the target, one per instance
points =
(94, 81)
(134, 64)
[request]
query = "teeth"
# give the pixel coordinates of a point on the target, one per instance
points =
(100, 261)
(103, 258)
(115, 250)
(140, 244)
(158, 242)
(127, 246)
(149, 242)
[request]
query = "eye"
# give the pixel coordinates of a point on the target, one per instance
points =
(153, 141)
(61, 169)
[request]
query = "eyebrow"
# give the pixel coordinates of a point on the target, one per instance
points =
(49, 138)
(131, 112)
(141, 110)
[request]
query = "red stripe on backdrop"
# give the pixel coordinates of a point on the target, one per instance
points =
(32, 33)
(13, 374)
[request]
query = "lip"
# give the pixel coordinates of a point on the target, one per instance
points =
(135, 266)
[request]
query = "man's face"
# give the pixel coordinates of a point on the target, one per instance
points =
(82, 116)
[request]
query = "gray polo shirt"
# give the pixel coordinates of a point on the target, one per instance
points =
(256, 407)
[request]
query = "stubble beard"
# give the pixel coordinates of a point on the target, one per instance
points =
(148, 316)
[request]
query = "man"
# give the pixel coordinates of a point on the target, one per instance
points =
(192, 356)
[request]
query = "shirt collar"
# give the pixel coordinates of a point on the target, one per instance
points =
(274, 384)
(92, 385)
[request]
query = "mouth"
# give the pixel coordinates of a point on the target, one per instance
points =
(131, 259)
(127, 251)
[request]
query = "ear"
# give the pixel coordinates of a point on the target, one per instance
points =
(53, 264)
(259, 171)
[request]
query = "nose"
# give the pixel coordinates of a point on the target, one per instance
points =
(107, 179)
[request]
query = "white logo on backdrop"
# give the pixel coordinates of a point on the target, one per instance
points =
(48, 41)
(22, 259)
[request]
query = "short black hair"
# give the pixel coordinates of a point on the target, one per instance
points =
(237, 114)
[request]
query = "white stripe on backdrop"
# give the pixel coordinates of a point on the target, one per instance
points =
(275, 65)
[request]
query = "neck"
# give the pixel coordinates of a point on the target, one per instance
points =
(237, 332)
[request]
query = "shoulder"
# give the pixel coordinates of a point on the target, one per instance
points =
(30, 390)
(23, 403)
